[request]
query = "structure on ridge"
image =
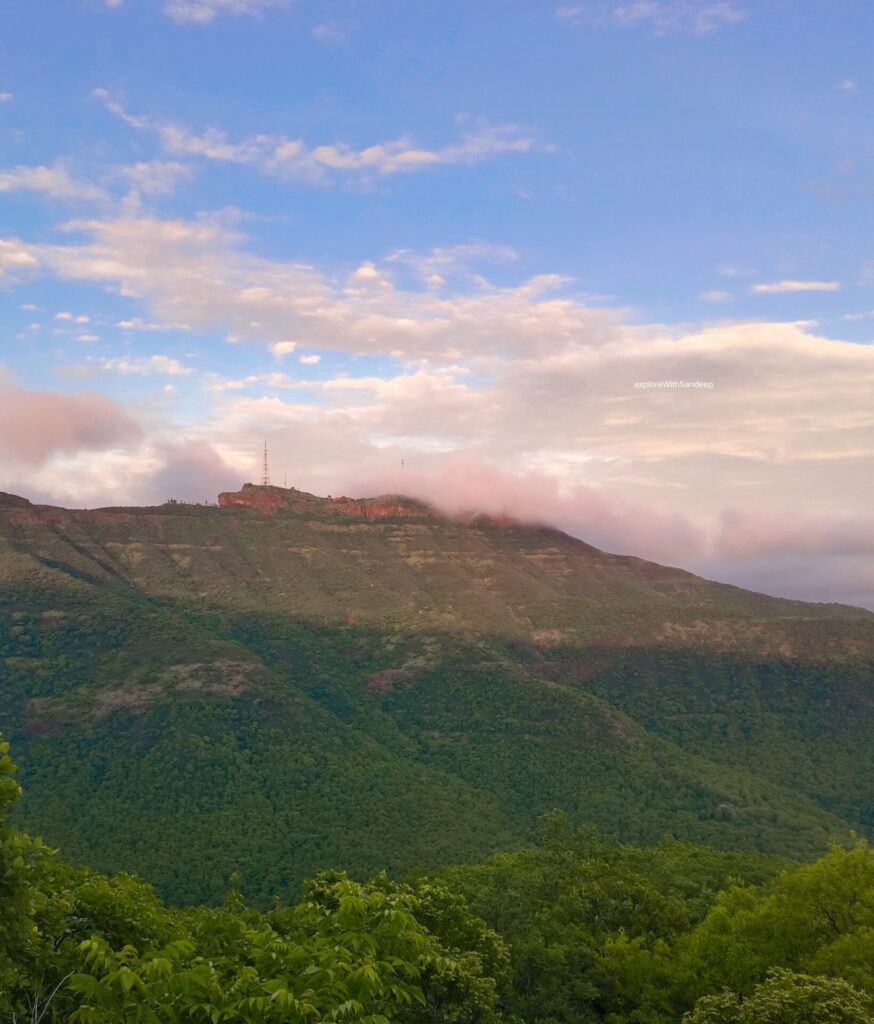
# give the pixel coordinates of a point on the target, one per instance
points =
(265, 471)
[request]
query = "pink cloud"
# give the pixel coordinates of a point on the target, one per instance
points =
(742, 535)
(191, 471)
(34, 425)
(462, 483)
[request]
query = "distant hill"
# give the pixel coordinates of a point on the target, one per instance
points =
(283, 682)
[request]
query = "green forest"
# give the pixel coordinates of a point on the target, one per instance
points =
(576, 928)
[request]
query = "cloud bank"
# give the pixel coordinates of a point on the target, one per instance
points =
(36, 425)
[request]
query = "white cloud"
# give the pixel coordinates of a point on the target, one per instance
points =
(201, 12)
(283, 157)
(848, 85)
(144, 366)
(433, 266)
(54, 182)
(138, 324)
(522, 374)
(156, 177)
(310, 360)
(571, 12)
(775, 287)
(5, 97)
(73, 318)
(329, 32)
(87, 337)
(197, 273)
(696, 17)
(715, 295)
(17, 260)
(699, 17)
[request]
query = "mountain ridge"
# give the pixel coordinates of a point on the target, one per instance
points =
(324, 672)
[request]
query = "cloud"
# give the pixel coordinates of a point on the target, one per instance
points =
(201, 12)
(668, 16)
(330, 33)
(464, 484)
(138, 324)
(310, 360)
(664, 17)
(5, 97)
(72, 318)
(744, 535)
(197, 273)
(433, 266)
(144, 366)
(54, 182)
(715, 295)
(188, 471)
(848, 85)
(785, 402)
(35, 425)
(156, 177)
(775, 287)
(17, 260)
(294, 159)
(400, 156)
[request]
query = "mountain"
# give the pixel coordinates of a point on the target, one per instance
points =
(282, 683)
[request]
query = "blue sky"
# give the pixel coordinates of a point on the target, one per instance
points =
(454, 234)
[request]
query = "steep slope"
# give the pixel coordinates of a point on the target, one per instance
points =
(285, 682)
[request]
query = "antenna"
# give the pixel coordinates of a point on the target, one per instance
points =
(265, 472)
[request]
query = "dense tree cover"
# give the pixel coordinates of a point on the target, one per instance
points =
(777, 716)
(816, 919)
(182, 743)
(81, 948)
(600, 931)
(578, 929)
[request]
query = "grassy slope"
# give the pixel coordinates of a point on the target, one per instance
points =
(198, 690)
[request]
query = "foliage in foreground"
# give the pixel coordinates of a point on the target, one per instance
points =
(577, 930)
(81, 948)
(599, 931)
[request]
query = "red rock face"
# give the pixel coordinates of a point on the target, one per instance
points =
(262, 499)
(378, 509)
(271, 499)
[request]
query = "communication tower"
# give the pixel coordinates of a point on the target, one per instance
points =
(265, 471)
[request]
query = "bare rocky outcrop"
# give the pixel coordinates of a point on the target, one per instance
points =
(270, 500)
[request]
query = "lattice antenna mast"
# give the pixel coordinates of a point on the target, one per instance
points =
(265, 471)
